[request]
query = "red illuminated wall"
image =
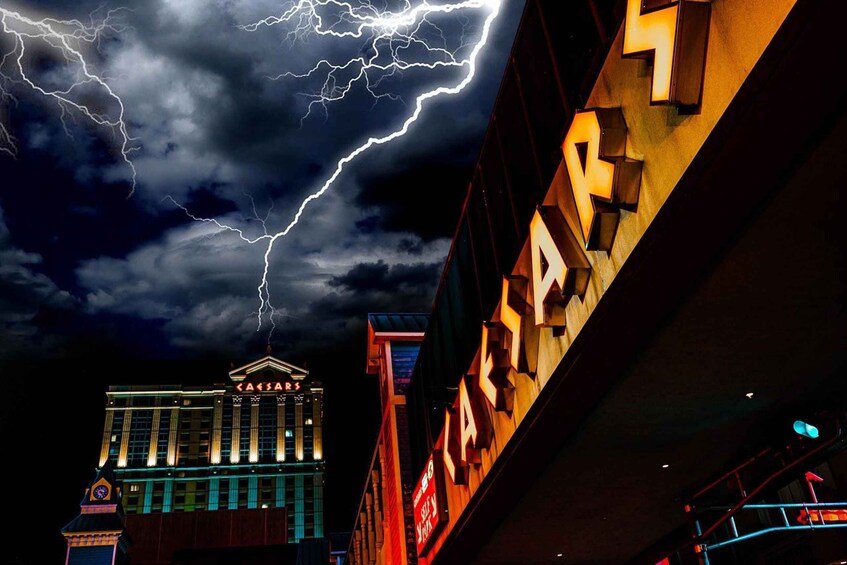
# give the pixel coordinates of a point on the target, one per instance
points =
(155, 537)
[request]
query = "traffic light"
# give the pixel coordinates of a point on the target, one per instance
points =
(806, 430)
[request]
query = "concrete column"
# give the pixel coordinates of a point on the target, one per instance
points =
(235, 452)
(217, 422)
(317, 427)
(106, 444)
(173, 435)
(122, 454)
(154, 436)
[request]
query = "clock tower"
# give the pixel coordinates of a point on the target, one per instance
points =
(97, 536)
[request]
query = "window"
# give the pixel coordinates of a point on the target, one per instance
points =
(139, 437)
(308, 421)
(267, 429)
(289, 433)
(164, 436)
(226, 431)
(134, 487)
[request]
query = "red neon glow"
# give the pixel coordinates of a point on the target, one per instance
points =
(826, 516)
(273, 386)
(430, 511)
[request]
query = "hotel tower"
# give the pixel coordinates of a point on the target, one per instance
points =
(250, 443)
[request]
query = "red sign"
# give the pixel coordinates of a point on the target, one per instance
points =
(270, 386)
(825, 516)
(430, 503)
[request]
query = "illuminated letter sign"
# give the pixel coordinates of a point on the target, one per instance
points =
(602, 178)
(455, 468)
(674, 34)
(272, 386)
(430, 504)
(554, 247)
(512, 307)
(474, 427)
(602, 182)
(494, 368)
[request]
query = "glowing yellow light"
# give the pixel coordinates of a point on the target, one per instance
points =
(654, 31)
(597, 178)
(512, 320)
(446, 453)
(543, 287)
(602, 179)
(468, 431)
(489, 389)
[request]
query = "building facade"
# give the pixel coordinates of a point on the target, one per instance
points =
(383, 532)
(638, 334)
(253, 442)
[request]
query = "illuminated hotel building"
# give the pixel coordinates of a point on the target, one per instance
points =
(253, 442)
(639, 331)
(384, 529)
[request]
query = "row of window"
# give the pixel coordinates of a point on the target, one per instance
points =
(301, 494)
(195, 430)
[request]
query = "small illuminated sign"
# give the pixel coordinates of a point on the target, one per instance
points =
(825, 516)
(430, 503)
(268, 386)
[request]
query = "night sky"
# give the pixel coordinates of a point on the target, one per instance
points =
(98, 287)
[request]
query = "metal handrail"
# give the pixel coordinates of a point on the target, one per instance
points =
(787, 526)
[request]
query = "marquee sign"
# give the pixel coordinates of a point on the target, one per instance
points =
(268, 386)
(602, 181)
(430, 504)
(580, 214)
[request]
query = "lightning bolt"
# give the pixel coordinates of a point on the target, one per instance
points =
(67, 40)
(390, 36)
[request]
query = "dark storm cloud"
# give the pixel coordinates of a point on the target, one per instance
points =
(337, 319)
(215, 131)
(202, 306)
(28, 300)
(425, 199)
(239, 119)
(388, 278)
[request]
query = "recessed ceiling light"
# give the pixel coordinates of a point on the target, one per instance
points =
(665, 466)
(749, 395)
(559, 554)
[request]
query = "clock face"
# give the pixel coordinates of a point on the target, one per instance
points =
(101, 492)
